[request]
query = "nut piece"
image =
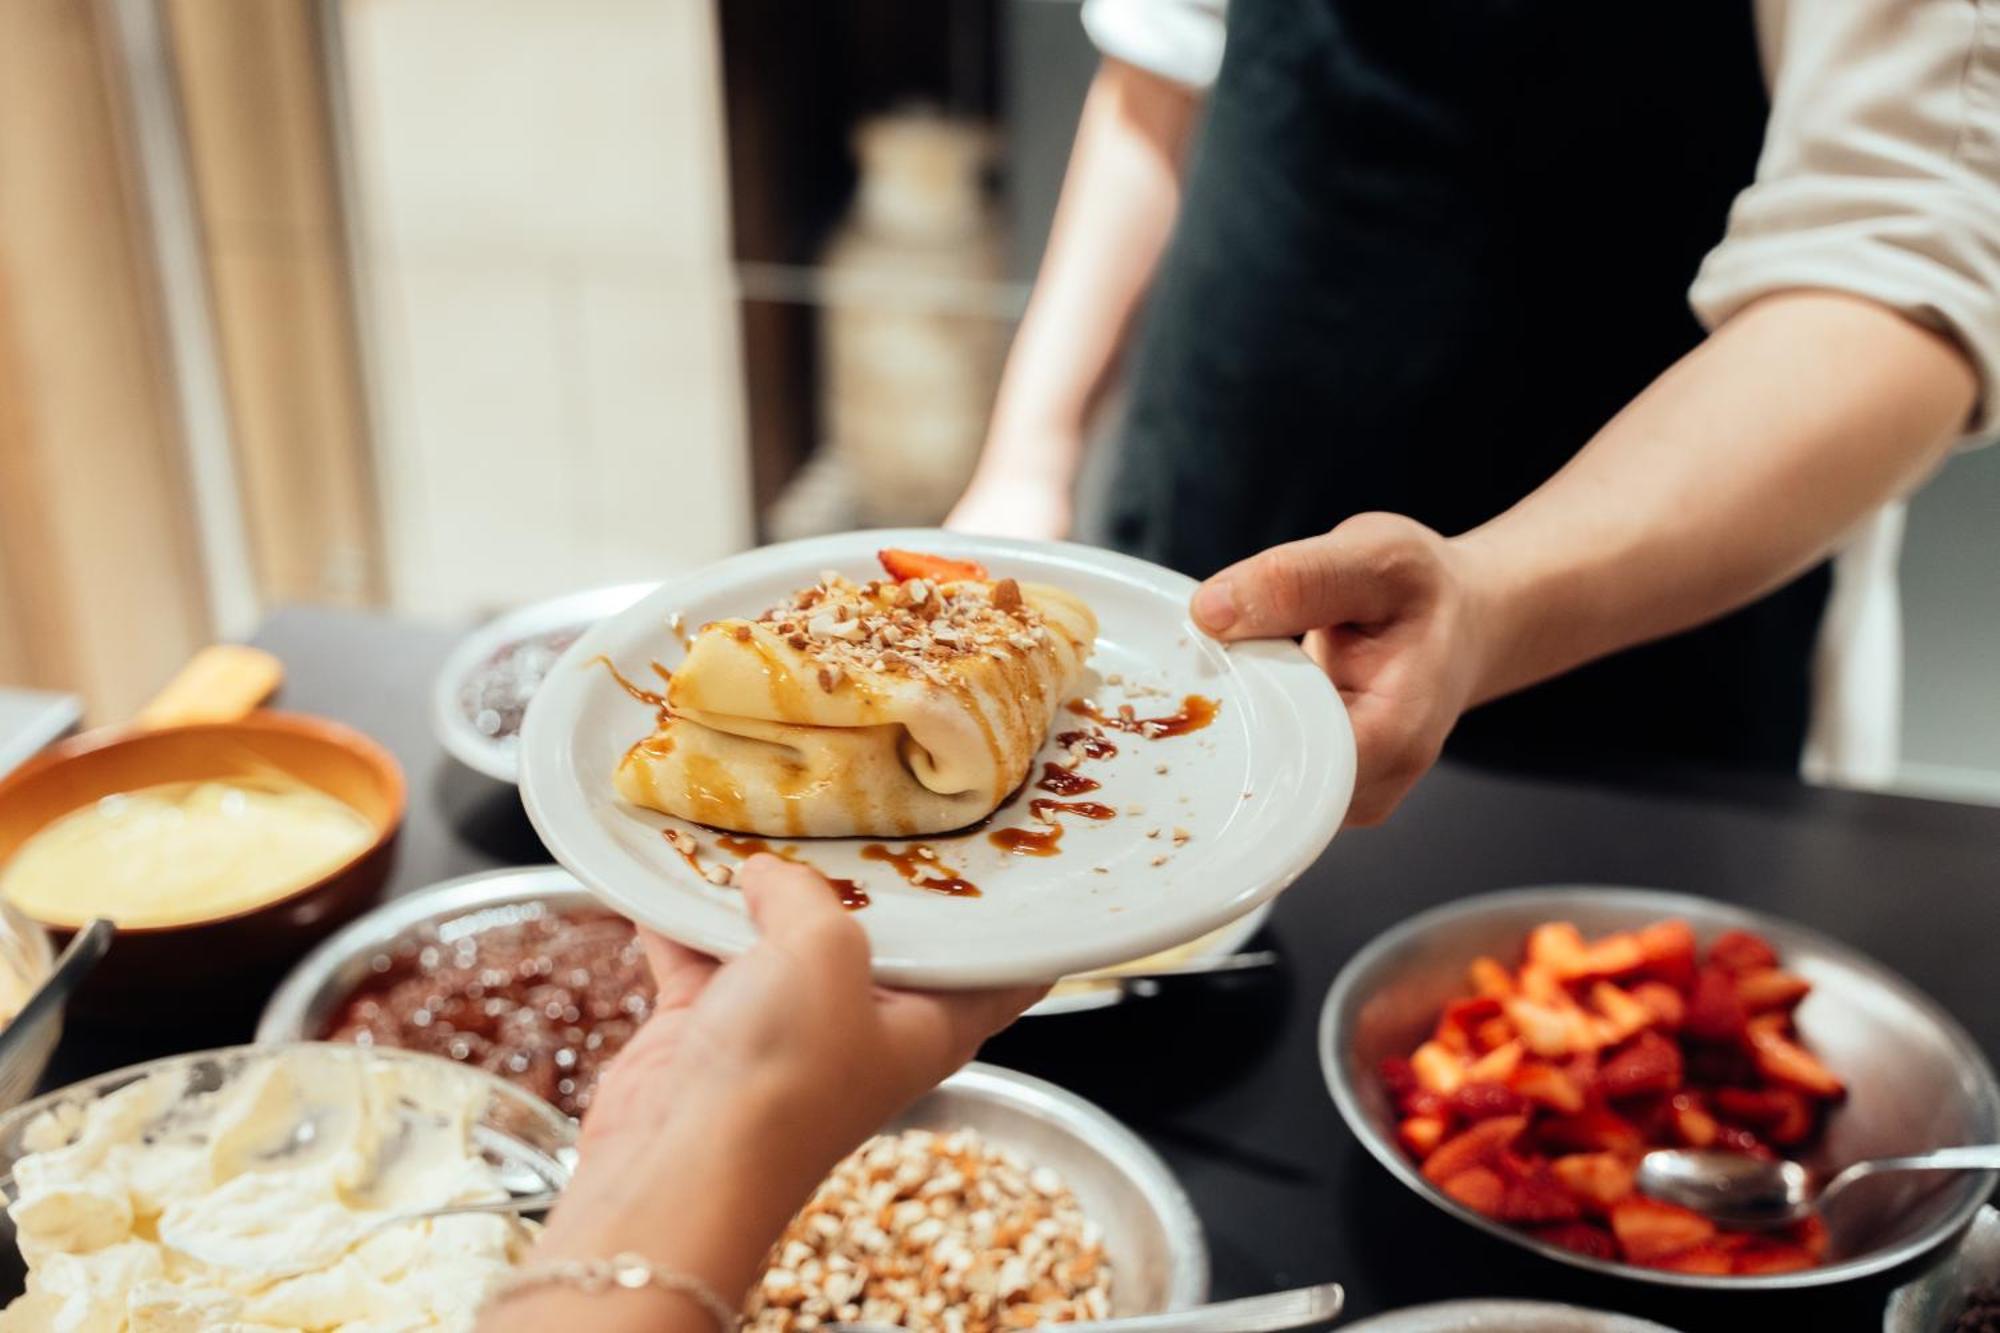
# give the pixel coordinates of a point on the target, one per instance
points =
(1006, 595)
(717, 875)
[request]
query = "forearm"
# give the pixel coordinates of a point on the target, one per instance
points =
(1734, 471)
(706, 1201)
(1119, 199)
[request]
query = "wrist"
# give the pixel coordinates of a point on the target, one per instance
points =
(706, 1192)
(1491, 611)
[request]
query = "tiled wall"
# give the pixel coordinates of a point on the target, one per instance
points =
(548, 304)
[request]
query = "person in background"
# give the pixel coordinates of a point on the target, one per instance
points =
(749, 1083)
(1579, 326)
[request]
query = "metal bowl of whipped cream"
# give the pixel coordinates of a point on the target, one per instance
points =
(280, 1179)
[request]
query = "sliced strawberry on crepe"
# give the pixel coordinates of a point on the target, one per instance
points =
(904, 565)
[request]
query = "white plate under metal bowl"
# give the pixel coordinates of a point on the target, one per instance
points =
(497, 756)
(1261, 791)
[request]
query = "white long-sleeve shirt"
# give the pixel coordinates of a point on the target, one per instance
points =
(1880, 176)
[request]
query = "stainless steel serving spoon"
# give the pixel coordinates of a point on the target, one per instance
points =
(1739, 1190)
(1299, 1308)
(75, 962)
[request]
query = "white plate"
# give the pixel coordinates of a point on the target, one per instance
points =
(496, 756)
(1261, 791)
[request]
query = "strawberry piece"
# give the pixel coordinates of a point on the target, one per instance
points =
(1497, 1065)
(1719, 1066)
(1583, 1237)
(1667, 1006)
(1783, 1060)
(1600, 1179)
(1613, 955)
(901, 565)
(1438, 1069)
(1669, 952)
(1477, 1145)
(1594, 1129)
(1692, 1123)
(1557, 946)
(1650, 1064)
(1770, 988)
(1483, 1101)
(1460, 1017)
(1767, 1256)
(1539, 982)
(1622, 1012)
(1421, 1134)
(1714, 1011)
(1478, 1188)
(1548, 1086)
(1735, 1138)
(1493, 1034)
(1537, 1196)
(1707, 1258)
(1397, 1075)
(1781, 1115)
(1649, 1230)
(1810, 1236)
(1489, 977)
(1739, 951)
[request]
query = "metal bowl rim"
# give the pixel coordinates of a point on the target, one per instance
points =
(449, 724)
(561, 1127)
(1104, 1134)
(1899, 1314)
(284, 1014)
(1332, 1033)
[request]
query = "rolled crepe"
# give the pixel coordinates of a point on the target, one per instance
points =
(880, 710)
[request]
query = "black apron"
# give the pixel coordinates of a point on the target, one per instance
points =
(1428, 248)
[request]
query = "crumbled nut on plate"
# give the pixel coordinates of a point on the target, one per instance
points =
(716, 875)
(1160, 860)
(1181, 835)
(941, 1233)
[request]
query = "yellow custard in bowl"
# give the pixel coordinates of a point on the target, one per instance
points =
(182, 852)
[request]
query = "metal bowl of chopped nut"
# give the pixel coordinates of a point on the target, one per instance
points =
(998, 1201)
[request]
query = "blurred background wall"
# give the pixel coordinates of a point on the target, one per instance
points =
(442, 305)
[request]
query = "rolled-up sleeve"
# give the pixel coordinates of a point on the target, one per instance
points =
(1175, 39)
(1880, 174)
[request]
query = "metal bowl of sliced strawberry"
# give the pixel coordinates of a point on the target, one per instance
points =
(1512, 1057)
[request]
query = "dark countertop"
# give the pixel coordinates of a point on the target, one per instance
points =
(1225, 1081)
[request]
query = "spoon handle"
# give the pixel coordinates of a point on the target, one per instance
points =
(1271, 1313)
(1969, 1157)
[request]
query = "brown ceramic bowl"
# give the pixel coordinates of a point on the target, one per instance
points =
(202, 964)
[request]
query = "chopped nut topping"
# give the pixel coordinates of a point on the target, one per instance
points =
(1181, 836)
(1135, 810)
(938, 1233)
(679, 840)
(1160, 768)
(1160, 860)
(741, 633)
(717, 875)
(1006, 595)
(798, 642)
(829, 676)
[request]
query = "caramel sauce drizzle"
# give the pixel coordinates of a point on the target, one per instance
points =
(1196, 712)
(1047, 840)
(1091, 744)
(655, 699)
(1066, 781)
(852, 896)
(916, 864)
